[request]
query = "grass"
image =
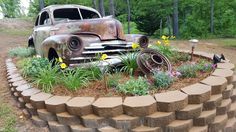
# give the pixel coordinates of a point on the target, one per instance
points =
(227, 42)
(16, 32)
(7, 119)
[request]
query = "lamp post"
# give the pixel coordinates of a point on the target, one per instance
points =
(193, 43)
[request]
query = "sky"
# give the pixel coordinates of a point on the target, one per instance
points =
(24, 6)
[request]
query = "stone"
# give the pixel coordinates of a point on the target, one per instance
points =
(218, 84)
(108, 129)
(224, 107)
(159, 119)
(21, 102)
(108, 106)
(39, 122)
(45, 115)
(228, 74)
(233, 96)
(232, 111)
(189, 112)
(125, 122)
(199, 129)
(18, 83)
(21, 88)
(56, 127)
(80, 105)
(26, 114)
(19, 78)
(13, 75)
(80, 128)
(31, 109)
(93, 121)
(234, 81)
(227, 65)
(179, 126)
(67, 119)
(56, 104)
(139, 105)
(26, 94)
(230, 125)
(228, 92)
(205, 118)
(218, 124)
(38, 100)
(215, 100)
(171, 101)
(197, 93)
(147, 129)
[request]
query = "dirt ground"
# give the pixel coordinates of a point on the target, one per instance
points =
(8, 41)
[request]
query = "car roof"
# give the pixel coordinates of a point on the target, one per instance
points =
(53, 7)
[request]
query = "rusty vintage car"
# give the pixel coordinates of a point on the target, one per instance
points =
(77, 34)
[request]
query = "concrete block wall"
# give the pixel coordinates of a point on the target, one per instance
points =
(209, 105)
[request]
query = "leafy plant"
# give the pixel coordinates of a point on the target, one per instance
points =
(32, 66)
(21, 52)
(73, 80)
(113, 80)
(129, 64)
(204, 66)
(188, 70)
(47, 77)
(177, 56)
(134, 86)
(162, 79)
(92, 72)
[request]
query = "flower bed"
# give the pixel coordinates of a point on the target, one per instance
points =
(206, 106)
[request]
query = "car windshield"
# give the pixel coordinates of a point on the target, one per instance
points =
(66, 14)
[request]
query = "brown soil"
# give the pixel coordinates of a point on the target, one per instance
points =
(98, 89)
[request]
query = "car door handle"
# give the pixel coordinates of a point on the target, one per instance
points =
(54, 29)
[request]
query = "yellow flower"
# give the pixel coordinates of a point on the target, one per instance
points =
(60, 59)
(166, 42)
(173, 37)
(163, 37)
(135, 45)
(63, 65)
(103, 57)
(158, 43)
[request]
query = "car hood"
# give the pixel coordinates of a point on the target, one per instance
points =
(104, 28)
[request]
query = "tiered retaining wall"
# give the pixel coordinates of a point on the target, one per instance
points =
(209, 105)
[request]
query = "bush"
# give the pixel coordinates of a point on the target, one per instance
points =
(32, 66)
(177, 57)
(129, 64)
(73, 79)
(47, 77)
(204, 66)
(21, 52)
(134, 86)
(113, 80)
(162, 79)
(188, 71)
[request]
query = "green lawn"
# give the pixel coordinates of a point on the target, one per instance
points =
(7, 118)
(229, 42)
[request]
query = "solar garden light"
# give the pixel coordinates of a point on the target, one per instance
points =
(193, 43)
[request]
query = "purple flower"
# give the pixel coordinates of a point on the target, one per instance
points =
(178, 74)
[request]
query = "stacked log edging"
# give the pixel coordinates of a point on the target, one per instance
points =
(209, 105)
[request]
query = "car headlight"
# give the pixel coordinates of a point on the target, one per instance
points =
(143, 41)
(74, 43)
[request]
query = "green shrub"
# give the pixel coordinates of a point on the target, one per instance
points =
(113, 80)
(204, 66)
(21, 52)
(164, 49)
(177, 57)
(47, 77)
(73, 79)
(32, 66)
(92, 72)
(162, 79)
(129, 64)
(134, 86)
(188, 70)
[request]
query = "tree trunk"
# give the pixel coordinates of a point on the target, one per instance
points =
(41, 4)
(212, 16)
(176, 19)
(161, 27)
(129, 15)
(94, 4)
(101, 7)
(169, 25)
(112, 8)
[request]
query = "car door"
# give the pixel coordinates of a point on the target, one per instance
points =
(42, 31)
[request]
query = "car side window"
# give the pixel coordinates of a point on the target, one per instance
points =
(66, 14)
(87, 14)
(37, 21)
(44, 19)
